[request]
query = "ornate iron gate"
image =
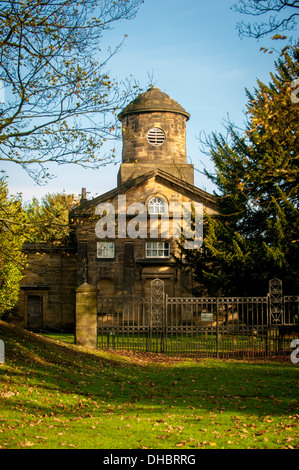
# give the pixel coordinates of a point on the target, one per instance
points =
(200, 327)
(276, 302)
(156, 333)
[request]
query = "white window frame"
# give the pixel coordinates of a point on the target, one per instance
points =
(157, 250)
(157, 205)
(105, 250)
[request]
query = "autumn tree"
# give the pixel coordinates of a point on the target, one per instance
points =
(60, 104)
(276, 16)
(12, 260)
(255, 237)
(44, 222)
(48, 220)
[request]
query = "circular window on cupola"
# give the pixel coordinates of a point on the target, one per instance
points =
(156, 136)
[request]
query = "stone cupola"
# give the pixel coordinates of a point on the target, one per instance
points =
(154, 136)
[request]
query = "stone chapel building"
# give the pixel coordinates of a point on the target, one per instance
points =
(154, 174)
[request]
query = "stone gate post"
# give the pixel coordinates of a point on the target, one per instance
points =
(86, 316)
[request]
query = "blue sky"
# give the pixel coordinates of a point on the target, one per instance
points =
(192, 51)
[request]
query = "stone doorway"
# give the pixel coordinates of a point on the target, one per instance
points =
(35, 310)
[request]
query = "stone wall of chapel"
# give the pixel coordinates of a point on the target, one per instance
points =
(136, 148)
(125, 273)
(129, 171)
(152, 187)
(51, 275)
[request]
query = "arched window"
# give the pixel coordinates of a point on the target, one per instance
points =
(157, 206)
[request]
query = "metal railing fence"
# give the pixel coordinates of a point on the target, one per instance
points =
(228, 327)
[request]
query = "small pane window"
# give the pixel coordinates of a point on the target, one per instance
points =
(157, 250)
(105, 250)
(157, 206)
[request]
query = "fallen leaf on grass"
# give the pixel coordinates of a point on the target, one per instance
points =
(181, 444)
(267, 419)
(27, 444)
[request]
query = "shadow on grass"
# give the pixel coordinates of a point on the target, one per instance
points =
(91, 380)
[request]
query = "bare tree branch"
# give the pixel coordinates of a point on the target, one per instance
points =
(61, 104)
(280, 15)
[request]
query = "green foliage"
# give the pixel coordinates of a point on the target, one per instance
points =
(35, 222)
(48, 219)
(256, 172)
(12, 260)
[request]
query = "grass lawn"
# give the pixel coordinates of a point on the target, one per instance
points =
(56, 395)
